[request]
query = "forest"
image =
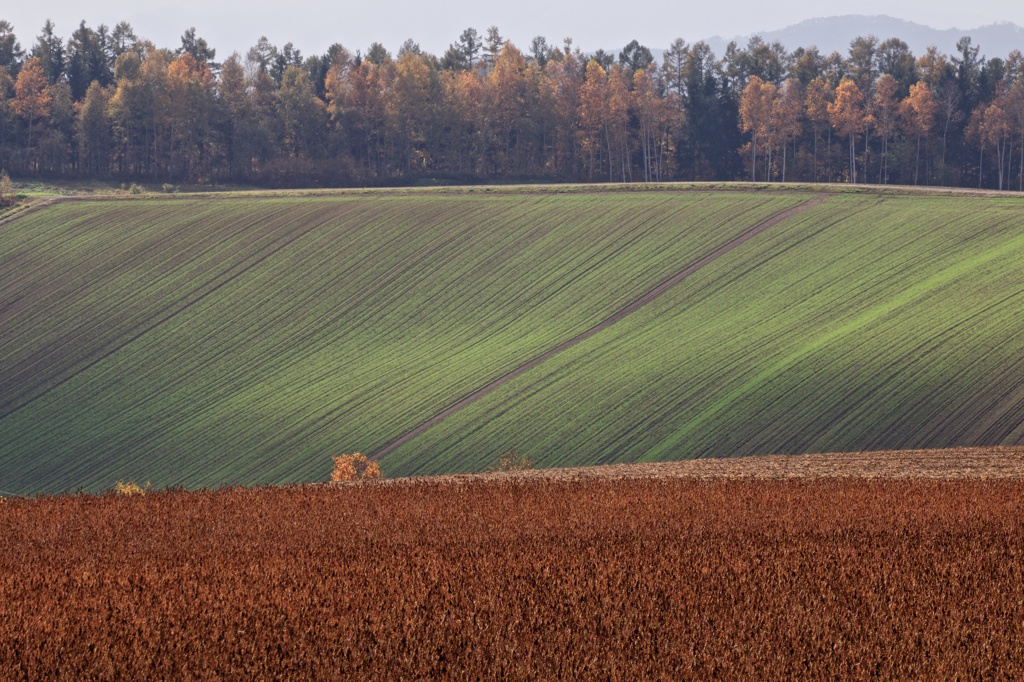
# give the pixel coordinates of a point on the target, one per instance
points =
(107, 104)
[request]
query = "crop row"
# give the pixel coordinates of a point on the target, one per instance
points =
(865, 323)
(247, 341)
(597, 579)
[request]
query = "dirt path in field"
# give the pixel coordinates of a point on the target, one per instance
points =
(953, 464)
(30, 206)
(629, 309)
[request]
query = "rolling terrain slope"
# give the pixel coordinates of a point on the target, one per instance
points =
(865, 323)
(209, 341)
(199, 341)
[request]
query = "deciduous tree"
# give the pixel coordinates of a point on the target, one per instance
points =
(93, 130)
(787, 111)
(32, 97)
(885, 106)
(756, 104)
(917, 112)
(819, 96)
(849, 117)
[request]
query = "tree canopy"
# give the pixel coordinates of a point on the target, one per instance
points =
(109, 104)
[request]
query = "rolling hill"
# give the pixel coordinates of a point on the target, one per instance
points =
(836, 33)
(863, 323)
(209, 341)
(243, 340)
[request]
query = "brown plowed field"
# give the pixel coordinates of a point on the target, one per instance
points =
(625, 573)
(949, 464)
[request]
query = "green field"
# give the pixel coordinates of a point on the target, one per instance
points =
(205, 341)
(210, 341)
(865, 323)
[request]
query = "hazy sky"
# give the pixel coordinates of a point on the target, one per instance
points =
(314, 24)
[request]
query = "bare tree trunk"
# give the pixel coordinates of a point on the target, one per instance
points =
(829, 152)
(945, 132)
(867, 154)
(917, 166)
(981, 163)
(882, 179)
(1009, 160)
(853, 159)
(815, 155)
(999, 152)
(608, 140)
(753, 158)
(784, 161)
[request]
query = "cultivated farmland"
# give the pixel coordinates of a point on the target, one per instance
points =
(209, 341)
(246, 340)
(867, 322)
(508, 577)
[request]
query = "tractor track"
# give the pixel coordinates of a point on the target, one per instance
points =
(601, 326)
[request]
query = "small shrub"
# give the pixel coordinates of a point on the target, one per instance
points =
(134, 189)
(168, 188)
(512, 460)
(130, 488)
(7, 197)
(354, 467)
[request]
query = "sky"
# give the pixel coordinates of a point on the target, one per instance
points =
(312, 25)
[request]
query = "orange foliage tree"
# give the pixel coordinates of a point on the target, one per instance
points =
(849, 117)
(565, 79)
(996, 126)
(32, 96)
(819, 96)
(918, 113)
(651, 113)
(756, 104)
(592, 114)
(617, 121)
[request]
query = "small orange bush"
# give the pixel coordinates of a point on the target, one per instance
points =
(130, 488)
(354, 467)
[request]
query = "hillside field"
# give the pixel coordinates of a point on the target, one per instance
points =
(865, 323)
(202, 341)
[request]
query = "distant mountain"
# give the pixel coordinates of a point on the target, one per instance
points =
(835, 33)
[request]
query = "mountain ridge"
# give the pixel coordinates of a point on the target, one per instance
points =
(834, 33)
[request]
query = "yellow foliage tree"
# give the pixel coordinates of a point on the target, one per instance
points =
(6, 190)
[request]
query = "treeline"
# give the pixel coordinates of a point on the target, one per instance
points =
(107, 104)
